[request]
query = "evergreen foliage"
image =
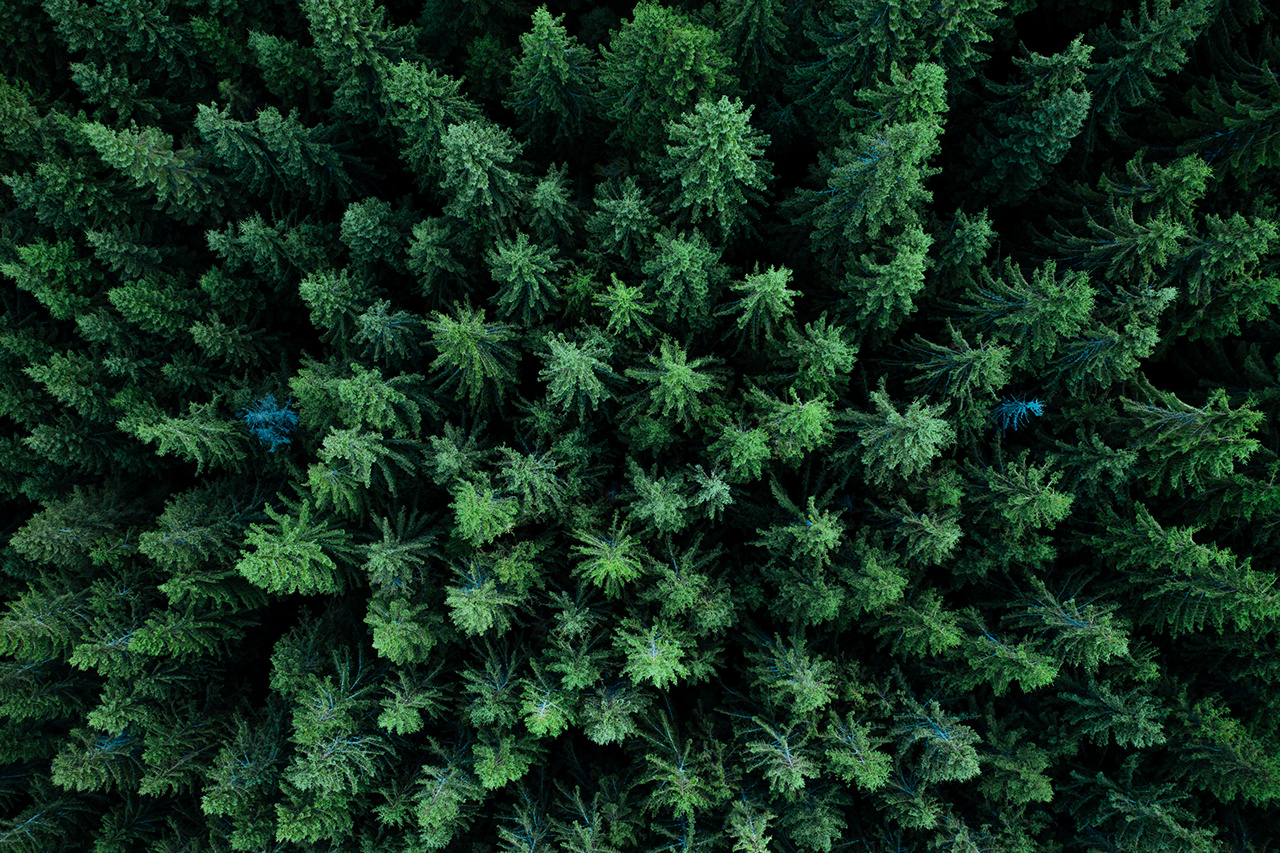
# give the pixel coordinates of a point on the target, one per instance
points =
(779, 427)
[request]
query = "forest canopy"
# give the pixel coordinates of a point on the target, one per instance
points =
(758, 426)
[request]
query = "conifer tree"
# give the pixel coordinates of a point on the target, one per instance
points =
(301, 551)
(142, 32)
(895, 444)
(858, 42)
(823, 355)
(482, 178)
(275, 154)
(1020, 597)
(473, 352)
(356, 49)
(1231, 123)
(873, 185)
(575, 371)
(656, 67)
(146, 156)
(1035, 315)
(423, 103)
(717, 160)
(1146, 49)
(961, 372)
(523, 271)
(948, 751)
(676, 385)
(1033, 127)
(1185, 444)
(553, 83)
(290, 71)
(685, 274)
(554, 215)
(624, 219)
(202, 436)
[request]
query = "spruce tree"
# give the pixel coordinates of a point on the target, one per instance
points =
(716, 158)
(656, 67)
(553, 83)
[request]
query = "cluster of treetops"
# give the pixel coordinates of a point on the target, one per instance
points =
(755, 425)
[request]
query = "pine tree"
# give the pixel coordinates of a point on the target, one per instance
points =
(623, 222)
(1026, 138)
(505, 759)
(277, 252)
(1142, 817)
(1146, 49)
(482, 176)
(434, 257)
(446, 802)
(816, 822)
(677, 386)
(356, 49)
(795, 428)
(741, 450)
(1085, 635)
(524, 275)
(1224, 755)
(1184, 444)
(1023, 495)
(961, 371)
(57, 275)
(290, 71)
(749, 826)
(764, 302)
(928, 537)
(823, 356)
(142, 32)
(375, 234)
(873, 186)
(1186, 584)
(481, 512)
(717, 160)
(895, 445)
(553, 83)
(656, 67)
(958, 30)
(685, 274)
(780, 754)
(659, 500)
(1035, 316)
(202, 436)
(609, 560)
(548, 709)
(1015, 766)
(473, 352)
(683, 781)
(576, 370)
(423, 104)
(948, 746)
(851, 752)
(554, 215)
(349, 461)
(999, 661)
(274, 154)
(858, 42)
(1223, 283)
(182, 187)
(879, 286)
(298, 552)
(1232, 122)
(789, 677)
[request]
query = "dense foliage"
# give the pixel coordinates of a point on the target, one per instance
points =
(760, 425)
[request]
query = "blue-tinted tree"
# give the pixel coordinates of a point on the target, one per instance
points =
(272, 423)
